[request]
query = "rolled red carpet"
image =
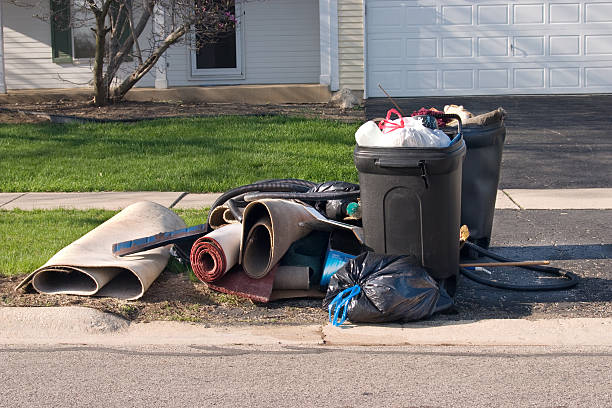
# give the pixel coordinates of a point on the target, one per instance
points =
(216, 253)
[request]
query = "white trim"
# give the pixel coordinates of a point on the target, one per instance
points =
(365, 50)
(161, 67)
(225, 73)
(328, 43)
(325, 42)
(333, 28)
(2, 76)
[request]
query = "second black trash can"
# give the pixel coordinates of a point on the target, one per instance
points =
(411, 203)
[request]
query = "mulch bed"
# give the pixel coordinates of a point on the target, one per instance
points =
(173, 296)
(133, 111)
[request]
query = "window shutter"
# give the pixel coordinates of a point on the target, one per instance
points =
(61, 36)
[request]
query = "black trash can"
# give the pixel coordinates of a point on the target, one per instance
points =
(411, 203)
(484, 137)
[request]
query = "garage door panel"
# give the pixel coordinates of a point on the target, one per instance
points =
(421, 48)
(528, 46)
(491, 79)
(528, 13)
(493, 15)
(529, 78)
(386, 48)
(492, 46)
(458, 79)
(454, 47)
(564, 13)
(564, 45)
(456, 15)
(391, 80)
(420, 79)
(598, 45)
(420, 15)
(565, 77)
(598, 78)
(385, 16)
(598, 12)
(472, 47)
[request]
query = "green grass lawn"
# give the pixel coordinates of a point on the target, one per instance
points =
(30, 238)
(194, 155)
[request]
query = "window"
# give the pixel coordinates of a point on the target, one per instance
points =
(220, 54)
(83, 38)
(71, 29)
(61, 36)
(222, 57)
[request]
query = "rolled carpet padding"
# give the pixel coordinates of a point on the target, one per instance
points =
(88, 267)
(270, 226)
(216, 253)
(221, 216)
(216, 219)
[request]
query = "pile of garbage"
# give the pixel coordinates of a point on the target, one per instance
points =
(384, 250)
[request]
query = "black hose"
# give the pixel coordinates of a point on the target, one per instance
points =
(569, 279)
(265, 185)
(235, 210)
(308, 196)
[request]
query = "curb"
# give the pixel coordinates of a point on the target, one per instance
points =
(71, 325)
(506, 199)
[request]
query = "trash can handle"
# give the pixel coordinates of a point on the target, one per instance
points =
(420, 165)
(399, 163)
(441, 115)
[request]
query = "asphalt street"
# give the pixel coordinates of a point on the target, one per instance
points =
(289, 376)
(579, 241)
(560, 141)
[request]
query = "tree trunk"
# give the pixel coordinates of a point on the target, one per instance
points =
(118, 92)
(100, 84)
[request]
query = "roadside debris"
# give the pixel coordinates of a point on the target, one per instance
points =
(386, 249)
(213, 255)
(344, 99)
(385, 288)
(88, 266)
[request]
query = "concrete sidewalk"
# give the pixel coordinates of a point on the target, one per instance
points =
(517, 199)
(80, 325)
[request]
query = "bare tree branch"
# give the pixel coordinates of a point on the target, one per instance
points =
(119, 92)
(134, 37)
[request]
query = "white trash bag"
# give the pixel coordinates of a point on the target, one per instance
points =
(401, 132)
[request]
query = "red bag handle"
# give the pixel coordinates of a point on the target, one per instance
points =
(387, 124)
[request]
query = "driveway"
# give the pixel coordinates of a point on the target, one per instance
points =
(553, 141)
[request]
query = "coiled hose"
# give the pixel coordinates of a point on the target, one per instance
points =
(569, 279)
(296, 189)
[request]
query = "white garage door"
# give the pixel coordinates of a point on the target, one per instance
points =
(457, 47)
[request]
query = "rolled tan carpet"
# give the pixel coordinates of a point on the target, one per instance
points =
(269, 227)
(216, 253)
(88, 267)
(217, 217)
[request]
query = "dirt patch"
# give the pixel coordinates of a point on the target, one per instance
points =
(128, 111)
(173, 296)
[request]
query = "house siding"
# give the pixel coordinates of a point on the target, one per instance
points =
(350, 44)
(27, 54)
(281, 43)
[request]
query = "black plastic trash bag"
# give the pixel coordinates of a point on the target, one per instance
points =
(376, 288)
